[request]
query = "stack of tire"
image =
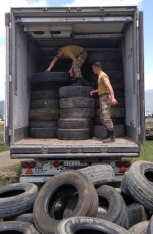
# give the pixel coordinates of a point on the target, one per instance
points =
(112, 66)
(44, 103)
(76, 113)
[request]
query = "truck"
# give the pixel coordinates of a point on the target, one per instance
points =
(31, 34)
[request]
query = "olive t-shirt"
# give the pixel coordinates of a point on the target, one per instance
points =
(102, 88)
(71, 51)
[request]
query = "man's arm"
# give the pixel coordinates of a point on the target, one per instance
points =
(93, 92)
(73, 62)
(51, 64)
(108, 85)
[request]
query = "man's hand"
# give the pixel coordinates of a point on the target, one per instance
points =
(48, 69)
(70, 72)
(93, 92)
(114, 101)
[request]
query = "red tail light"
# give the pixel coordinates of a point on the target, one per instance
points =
(56, 164)
(122, 170)
(123, 164)
(119, 163)
(32, 164)
(24, 164)
(126, 164)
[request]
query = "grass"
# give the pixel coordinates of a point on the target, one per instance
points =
(149, 123)
(3, 147)
(12, 177)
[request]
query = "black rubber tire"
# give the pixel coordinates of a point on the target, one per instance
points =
(44, 94)
(79, 113)
(42, 124)
(115, 113)
(74, 134)
(139, 186)
(103, 56)
(17, 198)
(25, 218)
(115, 74)
(87, 201)
(44, 104)
(99, 174)
(43, 132)
(121, 103)
(140, 228)
(88, 226)
(77, 91)
(77, 102)
(116, 213)
(100, 131)
(150, 228)
(119, 93)
(116, 121)
(124, 188)
(17, 227)
(112, 65)
(42, 114)
(48, 85)
(74, 123)
(50, 76)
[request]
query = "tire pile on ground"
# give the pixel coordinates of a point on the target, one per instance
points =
(44, 104)
(112, 66)
(83, 201)
(76, 113)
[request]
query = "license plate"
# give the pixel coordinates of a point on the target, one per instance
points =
(71, 163)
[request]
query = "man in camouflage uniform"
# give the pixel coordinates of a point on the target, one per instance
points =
(77, 54)
(106, 98)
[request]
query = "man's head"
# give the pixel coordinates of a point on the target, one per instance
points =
(57, 52)
(97, 67)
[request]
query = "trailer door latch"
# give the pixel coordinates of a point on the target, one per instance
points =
(44, 150)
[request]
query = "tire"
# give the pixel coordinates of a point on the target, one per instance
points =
(43, 86)
(100, 131)
(140, 228)
(25, 218)
(116, 213)
(121, 103)
(49, 115)
(17, 227)
(74, 123)
(77, 91)
(112, 65)
(50, 76)
(74, 134)
(115, 74)
(17, 198)
(42, 124)
(43, 132)
(44, 104)
(44, 94)
(150, 228)
(75, 113)
(119, 93)
(88, 226)
(99, 174)
(139, 183)
(77, 102)
(117, 121)
(103, 56)
(124, 188)
(87, 201)
(115, 113)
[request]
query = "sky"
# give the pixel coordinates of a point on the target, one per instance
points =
(143, 5)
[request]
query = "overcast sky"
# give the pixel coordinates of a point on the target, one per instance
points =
(144, 5)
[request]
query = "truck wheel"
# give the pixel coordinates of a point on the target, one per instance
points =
(139, 183)
(140, 228)
(87, 201)
(74, 134)
(40, 114)
(100, 174)
(115, 113)
(44, 94)
(77, 113)
(44, 104)
(100, 131)
(88, 226)
(74, 123)
(150, 228)
(78, 91)
(25, 218)
(117, 212)
(17, 227)
(43, 132)
(50, 76)
(77, 102)
(43, 124)
(17, 198)
(116, 121)
(103, 56)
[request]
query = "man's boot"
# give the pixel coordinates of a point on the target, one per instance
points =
(79, 82)
(109, 137)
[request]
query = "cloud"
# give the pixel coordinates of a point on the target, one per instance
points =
(148, 81)
(104, 3)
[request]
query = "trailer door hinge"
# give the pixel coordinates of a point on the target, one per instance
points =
(138, 76)
(44, 150)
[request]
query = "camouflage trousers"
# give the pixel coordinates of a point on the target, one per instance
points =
(79, 62)
(105, 111)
